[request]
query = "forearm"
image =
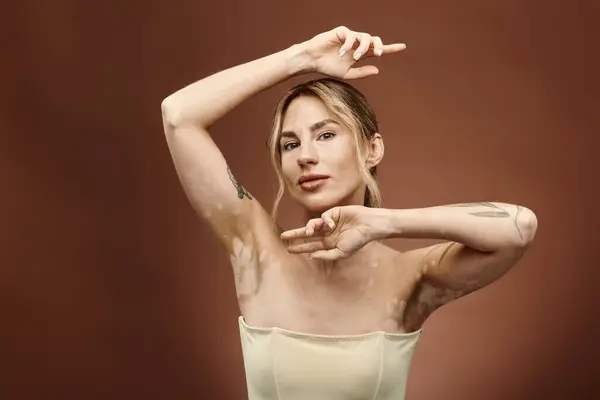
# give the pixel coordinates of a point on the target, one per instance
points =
(482, 226)
(204, 102)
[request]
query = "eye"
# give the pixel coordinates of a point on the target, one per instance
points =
(327, 135)
(289, 146)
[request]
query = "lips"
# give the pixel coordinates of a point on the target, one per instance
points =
(309, 178)
(312, 183)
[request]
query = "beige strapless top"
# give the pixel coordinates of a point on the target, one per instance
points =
(287, 365)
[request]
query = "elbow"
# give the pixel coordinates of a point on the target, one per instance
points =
(166, 104)
(176, 113)
(171, 113)
(519, 233)
(527, 225)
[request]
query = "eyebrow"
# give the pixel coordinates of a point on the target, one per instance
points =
(313, 127)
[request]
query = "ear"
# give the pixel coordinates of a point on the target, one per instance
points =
(376, 150)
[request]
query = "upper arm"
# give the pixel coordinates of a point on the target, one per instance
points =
(451, 270)
(211, 187)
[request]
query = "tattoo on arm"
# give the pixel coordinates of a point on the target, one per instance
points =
(519, 208)
(241, 191)
(497, 212)
(448, 245)
(446, 250)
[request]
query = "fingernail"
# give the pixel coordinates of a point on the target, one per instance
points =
(379, 52)
(357, 55)
(342, 52)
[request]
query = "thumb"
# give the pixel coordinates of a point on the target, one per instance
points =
(361, 72)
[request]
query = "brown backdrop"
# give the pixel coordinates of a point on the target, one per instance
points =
(111, 288)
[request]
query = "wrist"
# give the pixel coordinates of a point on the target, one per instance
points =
(381, 222)
(298, 60)
(387, 223)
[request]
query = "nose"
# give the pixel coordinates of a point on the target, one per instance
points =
(307, 156)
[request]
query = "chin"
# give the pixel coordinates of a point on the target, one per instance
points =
(318, 203)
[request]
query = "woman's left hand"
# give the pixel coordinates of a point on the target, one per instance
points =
(338, 233)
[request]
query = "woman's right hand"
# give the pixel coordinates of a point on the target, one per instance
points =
(335, 52)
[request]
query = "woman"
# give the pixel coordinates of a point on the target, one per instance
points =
(327, 310)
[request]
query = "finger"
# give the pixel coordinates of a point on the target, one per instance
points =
(306, 247)
(377, 45)
(348, 44)
(365, 44)
(328, 255)
(294, 234)
(393, 48)
(315, 224)
(361, 72)
(328, 220)
(341, 32)
(309, 230)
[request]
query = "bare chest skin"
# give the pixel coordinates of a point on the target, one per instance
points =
(366, 292)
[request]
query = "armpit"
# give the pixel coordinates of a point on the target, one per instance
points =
(246, 271)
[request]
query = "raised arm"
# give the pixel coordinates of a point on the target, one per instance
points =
(206, 178)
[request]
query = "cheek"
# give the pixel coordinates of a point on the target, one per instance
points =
(288, 170)
(345, 163)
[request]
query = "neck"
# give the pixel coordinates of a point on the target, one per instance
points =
(356, 263)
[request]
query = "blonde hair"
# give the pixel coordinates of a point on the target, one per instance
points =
(352, 109)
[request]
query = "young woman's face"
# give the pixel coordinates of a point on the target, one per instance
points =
(318, 158)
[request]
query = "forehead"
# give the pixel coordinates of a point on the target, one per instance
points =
(304, 111)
